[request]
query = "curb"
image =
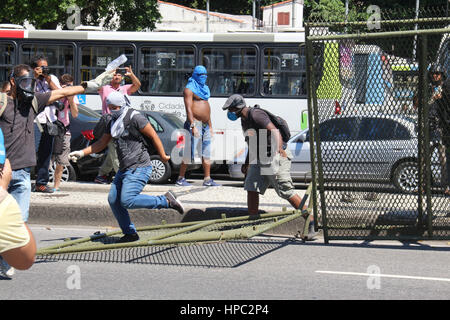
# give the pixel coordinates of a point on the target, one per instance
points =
(51, 209)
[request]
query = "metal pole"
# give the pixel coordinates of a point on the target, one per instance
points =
(253, 14)
(415, 28)
(272, 17)
(346, 11)
(207, 15)
(293, 13)
(426, 128)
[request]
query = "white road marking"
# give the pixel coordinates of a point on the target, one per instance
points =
(384, 275)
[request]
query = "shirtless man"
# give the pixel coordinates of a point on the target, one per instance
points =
(198, 123)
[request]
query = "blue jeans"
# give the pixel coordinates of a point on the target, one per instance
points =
(125, 194)
(20, 189)
(198, 145)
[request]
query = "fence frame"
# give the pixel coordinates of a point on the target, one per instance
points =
(424, 144)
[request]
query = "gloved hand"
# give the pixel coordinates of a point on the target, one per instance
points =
(76, 155)
(101, 80)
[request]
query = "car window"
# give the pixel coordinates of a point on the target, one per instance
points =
(402, 133)
(87, 115)
(341, 129)
(376, 129)
(173, 119)
(155, 124)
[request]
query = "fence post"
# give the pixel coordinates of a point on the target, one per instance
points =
(314, 138)
(424, 187)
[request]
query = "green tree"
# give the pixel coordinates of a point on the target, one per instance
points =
(127, 15)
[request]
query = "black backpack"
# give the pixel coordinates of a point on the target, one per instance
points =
(278, 122)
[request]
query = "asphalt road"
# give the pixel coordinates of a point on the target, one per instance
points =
(266, 268)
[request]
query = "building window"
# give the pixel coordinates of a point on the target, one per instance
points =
(283, 18)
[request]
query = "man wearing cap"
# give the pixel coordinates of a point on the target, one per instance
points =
(134, 164)
(198, 124)
(268, 160)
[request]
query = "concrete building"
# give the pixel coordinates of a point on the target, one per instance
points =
(184, 19)
(283, 16)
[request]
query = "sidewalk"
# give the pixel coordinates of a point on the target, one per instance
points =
(86, 204)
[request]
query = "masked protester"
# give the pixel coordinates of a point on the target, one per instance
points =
(268, 159)
(17, 125)
(127, 129)
(198, 125)
(111, 162)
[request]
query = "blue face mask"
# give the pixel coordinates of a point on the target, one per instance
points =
(232, 116)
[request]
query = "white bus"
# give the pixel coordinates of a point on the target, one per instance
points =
(268, 69)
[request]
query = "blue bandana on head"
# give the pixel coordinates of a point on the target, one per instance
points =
(197, 83)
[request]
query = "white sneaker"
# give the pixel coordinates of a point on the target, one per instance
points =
(6, 271)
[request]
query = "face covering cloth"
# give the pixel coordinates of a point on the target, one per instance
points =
(197, 83)
(118, 99)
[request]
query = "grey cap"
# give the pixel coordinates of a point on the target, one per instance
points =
(234, 101)
(117, 98)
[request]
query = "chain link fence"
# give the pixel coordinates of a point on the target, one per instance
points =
(379, 113)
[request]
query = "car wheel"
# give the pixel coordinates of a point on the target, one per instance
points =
(68, 173)
(161, 172)
(406, 177)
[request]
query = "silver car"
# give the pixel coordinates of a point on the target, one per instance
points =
(377, 148)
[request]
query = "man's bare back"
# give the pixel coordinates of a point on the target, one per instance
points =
(200, 108)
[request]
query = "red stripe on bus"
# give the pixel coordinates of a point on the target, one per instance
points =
(12, 34)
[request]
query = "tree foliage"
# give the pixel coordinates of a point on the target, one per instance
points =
(135, 15)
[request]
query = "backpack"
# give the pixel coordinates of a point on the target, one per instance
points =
(278, 122)
(146, 141)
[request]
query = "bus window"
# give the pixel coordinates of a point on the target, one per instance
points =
(284, 72)
(230, 70)
(94, 59)
(7, 60)
(163, 69)
(60, 58)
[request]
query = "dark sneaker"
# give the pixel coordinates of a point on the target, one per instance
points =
(128, 238)
(182, 183)
(210, 183)
(101, 179)
(43, 189)
(174, 203)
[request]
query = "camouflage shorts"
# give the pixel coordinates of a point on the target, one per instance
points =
(278, 174)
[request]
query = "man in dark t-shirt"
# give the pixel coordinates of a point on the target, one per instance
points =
(17, 124)
(134, 164)
(268, 159)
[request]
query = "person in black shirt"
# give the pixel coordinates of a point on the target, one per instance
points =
(268, 159)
